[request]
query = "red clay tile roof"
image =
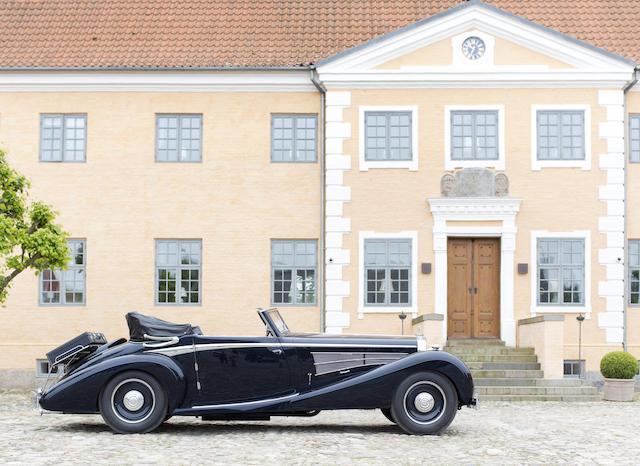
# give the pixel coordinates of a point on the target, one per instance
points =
(257, 33)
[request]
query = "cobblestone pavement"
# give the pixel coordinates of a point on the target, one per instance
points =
(534, 432)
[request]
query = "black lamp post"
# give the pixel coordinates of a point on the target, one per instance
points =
(402, 316)
(580, 319)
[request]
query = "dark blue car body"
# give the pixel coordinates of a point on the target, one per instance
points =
(282, 373)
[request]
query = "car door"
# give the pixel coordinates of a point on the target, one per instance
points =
(238, 369)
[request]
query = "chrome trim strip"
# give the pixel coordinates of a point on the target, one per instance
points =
(159, 342)
(337, 361)
(246, 403)
(184, 349)
(348, 368)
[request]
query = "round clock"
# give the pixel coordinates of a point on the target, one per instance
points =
(473, 48)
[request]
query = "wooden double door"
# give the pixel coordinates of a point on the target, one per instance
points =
(473, 288)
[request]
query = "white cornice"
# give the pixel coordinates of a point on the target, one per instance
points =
(476, 79)
(470, 208)
(156, 81)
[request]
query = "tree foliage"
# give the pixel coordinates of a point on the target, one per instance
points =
(29, 236)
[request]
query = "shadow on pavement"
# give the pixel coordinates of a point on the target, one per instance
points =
(222, 428)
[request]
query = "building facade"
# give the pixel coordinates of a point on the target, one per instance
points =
(472, 170)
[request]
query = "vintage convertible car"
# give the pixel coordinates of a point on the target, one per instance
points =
(167, 369)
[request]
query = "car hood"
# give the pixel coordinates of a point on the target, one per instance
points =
(403, 343)
(403, 338)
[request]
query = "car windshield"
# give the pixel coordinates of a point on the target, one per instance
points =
(278, 321)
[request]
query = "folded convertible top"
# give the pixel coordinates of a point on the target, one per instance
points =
(141, 325)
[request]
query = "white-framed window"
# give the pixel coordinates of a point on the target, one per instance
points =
(178, 138)
(474, 136)
(66, 287)
(294, 138)
(293, 272)
(634, 272)
(560, 136)
(178, 272)
(573, 368)
(634, 138)
(560, 272)
(388, 137)
(63, 137)
(43, 368)
(388, 272)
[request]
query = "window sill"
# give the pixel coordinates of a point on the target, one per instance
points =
(538, 165)
(536, 310)
(409, 311)
(289, 306)
(450, 164)
(411, 165)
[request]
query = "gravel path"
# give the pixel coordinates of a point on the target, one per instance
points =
(499, 432)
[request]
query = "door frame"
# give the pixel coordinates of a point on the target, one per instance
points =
(474, 315)
(501, 212)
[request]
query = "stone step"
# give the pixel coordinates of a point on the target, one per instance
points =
(495, 350)
(535, 390)
(485, 398)
(472, 342)
(468, 358)
(491, 366)
(512, 381)
(500, 374)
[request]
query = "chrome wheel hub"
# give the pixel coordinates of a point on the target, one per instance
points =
(133, 400)
(424, 402)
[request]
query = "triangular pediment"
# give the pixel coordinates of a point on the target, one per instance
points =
(446, 43)
(448, 52)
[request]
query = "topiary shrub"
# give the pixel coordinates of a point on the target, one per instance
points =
(618, 365)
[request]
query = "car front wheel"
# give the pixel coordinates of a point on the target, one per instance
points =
(133, 403)
(424, 404)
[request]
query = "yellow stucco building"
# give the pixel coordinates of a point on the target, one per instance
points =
(471, 169)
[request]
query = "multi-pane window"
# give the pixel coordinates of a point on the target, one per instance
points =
(293, 271)
(634, 138)
(387, 264)
(178, 271)
(634, 271)
(63, 138)
(561, 264)
(561, 135)
(178, 138)
(293, 138)
(66, 287)
(573, 367)
(474, 135)
(387, 136)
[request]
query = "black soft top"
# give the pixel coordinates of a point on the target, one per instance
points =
(141, 325)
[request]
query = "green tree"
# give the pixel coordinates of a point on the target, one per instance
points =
(29, 237)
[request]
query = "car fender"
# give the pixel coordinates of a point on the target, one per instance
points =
(375, 388)
(79, 392)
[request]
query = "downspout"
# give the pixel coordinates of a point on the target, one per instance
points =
(625, 289)
(321, 241)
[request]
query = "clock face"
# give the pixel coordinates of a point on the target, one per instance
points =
(473, 48)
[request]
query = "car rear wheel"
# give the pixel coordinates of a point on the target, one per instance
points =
(387, 414)
(424, 404)
(133, 403)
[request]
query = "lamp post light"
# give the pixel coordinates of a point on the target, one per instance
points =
(402, 316)
(580, 319)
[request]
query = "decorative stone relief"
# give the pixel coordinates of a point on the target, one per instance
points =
(474, 182)
(502, 185)
(447, 184)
